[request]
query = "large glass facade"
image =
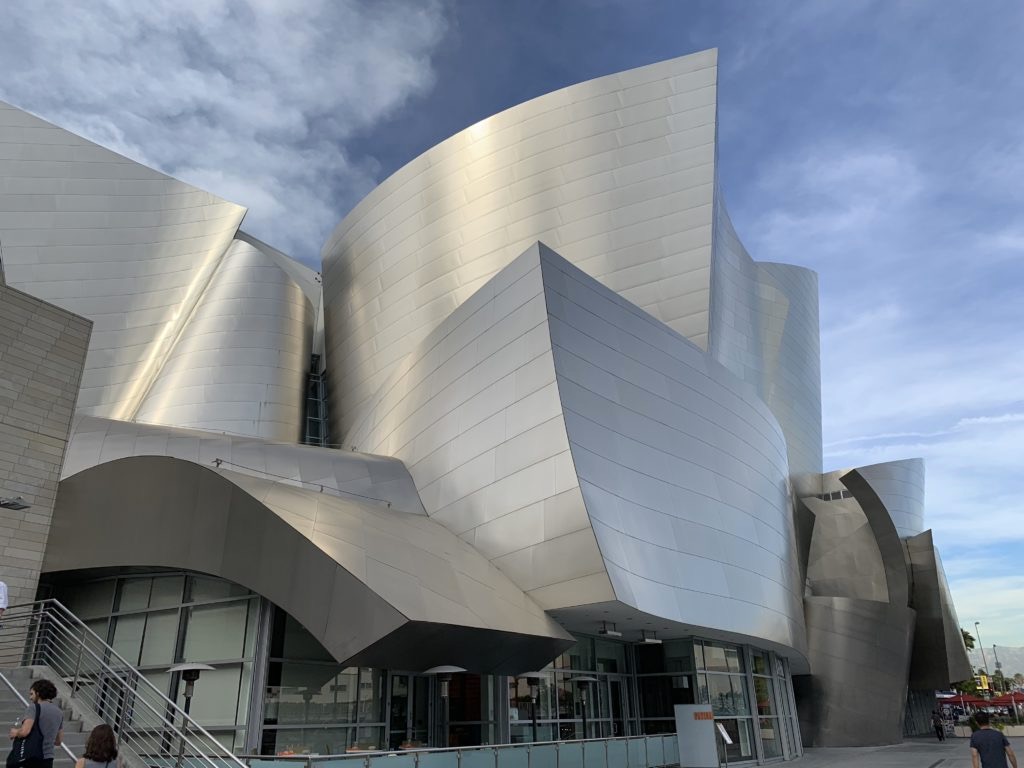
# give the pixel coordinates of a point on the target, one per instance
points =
(159, 620)
(275, 690)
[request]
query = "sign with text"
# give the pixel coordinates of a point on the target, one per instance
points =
(695, 725)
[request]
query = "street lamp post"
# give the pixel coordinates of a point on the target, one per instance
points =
(583, 683)
(977, 633)
(444, 676)
(533, 678)
(189, 673)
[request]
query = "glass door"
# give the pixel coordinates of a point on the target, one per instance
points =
(408, 710)
(619, 707)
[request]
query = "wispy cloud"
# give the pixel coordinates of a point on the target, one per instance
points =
(252, 101)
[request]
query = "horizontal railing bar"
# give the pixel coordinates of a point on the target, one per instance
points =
(48, 636)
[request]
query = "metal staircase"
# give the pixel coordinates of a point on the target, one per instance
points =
(97, 685)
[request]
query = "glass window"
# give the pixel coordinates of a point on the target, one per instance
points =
(725, 694)
(659, 694)
(764, 693)
(134, 594)
(216, 631)
(312, 693)
(579, 657)
(771, 744)
(292, 641)
(610, 656)
(206, 589)
(722, 658)
(90, 600)
(215, 701)
(760, 662)
(160, 639)
(128, 631)
(166, 592)
(742, 747)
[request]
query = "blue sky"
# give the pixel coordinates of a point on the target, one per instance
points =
(877, 142)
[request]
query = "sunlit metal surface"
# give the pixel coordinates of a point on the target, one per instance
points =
(900, 487)
(764, 328)
(241, 361)
(616, 174)
(111, 240)
(594, 454)
(367, 580)
(358, 475)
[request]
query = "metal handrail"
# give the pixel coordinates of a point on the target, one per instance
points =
(143, 717)
(23, 700)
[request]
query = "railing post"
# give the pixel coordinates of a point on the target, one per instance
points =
(78, 665)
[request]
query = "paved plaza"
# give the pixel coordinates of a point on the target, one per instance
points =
(913, 753)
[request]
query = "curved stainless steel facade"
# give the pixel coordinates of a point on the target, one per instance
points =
(111, 240)
(631, 433)
(241, 362)
(616, 174)
(595, 455)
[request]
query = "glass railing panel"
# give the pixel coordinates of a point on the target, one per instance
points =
(448, 759)
(671, 747)
(636, 752)
(485, 757)
(516, 757)
(389, 760)
(595, 755)
(617, 755)
(570, 754)
(655, 750)
(542, 756)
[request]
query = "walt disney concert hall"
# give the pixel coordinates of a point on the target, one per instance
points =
(534, 457)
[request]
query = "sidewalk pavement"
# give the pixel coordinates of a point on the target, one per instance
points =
(913, 753)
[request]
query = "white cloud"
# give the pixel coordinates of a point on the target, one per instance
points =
(251, 100)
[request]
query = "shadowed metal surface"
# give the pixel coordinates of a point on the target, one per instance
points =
(939, 656)
(351, 572)
(241, 362)
(617, 173)
(595, 455)
(860, 658)
(111, 240)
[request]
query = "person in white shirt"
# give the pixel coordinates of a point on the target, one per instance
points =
(3, 599)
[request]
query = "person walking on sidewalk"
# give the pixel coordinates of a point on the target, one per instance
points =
(989, 747)
(938, 725)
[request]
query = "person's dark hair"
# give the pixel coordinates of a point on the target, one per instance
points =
(44, 689)
(981, 718)
(101, 745)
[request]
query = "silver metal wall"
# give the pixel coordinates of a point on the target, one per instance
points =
(616, 174)
(595, 455)
(764, 328)
(370, 582)
(241, 363)
(111, 240)
(900, 486)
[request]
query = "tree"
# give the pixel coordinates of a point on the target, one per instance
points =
(1018, 678)
(968, 639)
(966, 686)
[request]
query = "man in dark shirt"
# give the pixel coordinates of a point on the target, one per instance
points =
(989, 748)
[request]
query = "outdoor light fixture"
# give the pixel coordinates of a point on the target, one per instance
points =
(583, 683)
(613, 632)
(534, 678)
(649, 639)
(16, 503)
(189, 673)
(444, 675)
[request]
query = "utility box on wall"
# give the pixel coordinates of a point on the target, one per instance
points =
(695, 726)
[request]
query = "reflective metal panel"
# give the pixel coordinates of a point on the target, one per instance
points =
(242, 360)
(593, 454)
(353, 572)
(860, 656)
(940, 657)
(617, 173)
(900, 487)
(764, 328)
(111, 240)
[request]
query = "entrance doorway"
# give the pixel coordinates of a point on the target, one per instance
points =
(409, 710)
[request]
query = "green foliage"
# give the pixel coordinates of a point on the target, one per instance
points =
(968, 639)
(966, 686)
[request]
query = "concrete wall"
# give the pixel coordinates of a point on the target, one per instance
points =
(42, 353)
